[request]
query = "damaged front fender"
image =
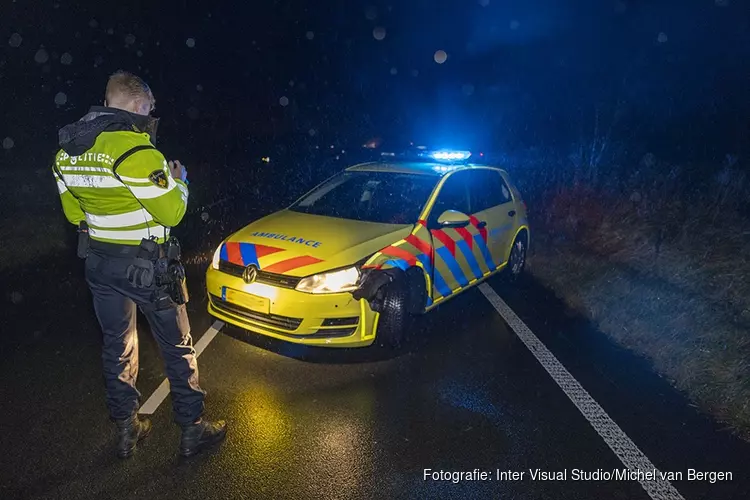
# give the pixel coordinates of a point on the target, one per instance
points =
(372, 282)
(410, 260)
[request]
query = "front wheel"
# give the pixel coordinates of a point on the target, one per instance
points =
(394, 317)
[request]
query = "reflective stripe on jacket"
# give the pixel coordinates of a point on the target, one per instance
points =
(140, 201)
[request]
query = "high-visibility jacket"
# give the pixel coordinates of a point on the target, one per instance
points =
(138, 200)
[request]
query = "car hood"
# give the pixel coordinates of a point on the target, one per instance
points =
(299, 244)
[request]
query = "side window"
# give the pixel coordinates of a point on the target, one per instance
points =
(488, 189)
(453, 195)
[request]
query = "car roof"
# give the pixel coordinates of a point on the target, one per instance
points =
(424, 168)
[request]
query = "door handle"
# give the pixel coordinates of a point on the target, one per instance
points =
(512, 213)
(482, 224)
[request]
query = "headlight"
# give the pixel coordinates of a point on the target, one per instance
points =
(343, 280)
(217, 255)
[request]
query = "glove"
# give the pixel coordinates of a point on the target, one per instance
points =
(184, 175)
(140, 273)
(178, 171)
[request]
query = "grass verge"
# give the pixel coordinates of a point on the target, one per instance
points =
(683, 302)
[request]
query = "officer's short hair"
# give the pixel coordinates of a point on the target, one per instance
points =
(124, 87)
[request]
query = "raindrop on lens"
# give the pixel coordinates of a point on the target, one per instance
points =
(190, 42)
(8, 143)
(662, 38)
(41, 56)
(379, 33)
(310, 35)
(15, 40)
(284, 101)
(129, 39)
(61, 98)
(66, 59)
(440, 56)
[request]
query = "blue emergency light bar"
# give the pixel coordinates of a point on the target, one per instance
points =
(421, 153)
(450, 155)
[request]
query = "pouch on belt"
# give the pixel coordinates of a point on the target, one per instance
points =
(140, 273)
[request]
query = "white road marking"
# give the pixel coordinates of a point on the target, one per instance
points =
(625, 449)
(160, 394)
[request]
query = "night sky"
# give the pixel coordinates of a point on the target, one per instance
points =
(229, 76)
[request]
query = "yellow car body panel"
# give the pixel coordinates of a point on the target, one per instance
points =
(287, 246)
(296, 244)
(355, 318)
(329, 242)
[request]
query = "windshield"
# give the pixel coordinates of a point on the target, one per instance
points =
(385, 197)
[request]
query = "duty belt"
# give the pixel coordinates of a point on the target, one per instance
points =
(148, 265)
(113, 249)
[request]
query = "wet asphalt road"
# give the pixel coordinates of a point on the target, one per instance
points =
(464, 393)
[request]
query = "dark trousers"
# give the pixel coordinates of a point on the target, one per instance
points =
(115, 301)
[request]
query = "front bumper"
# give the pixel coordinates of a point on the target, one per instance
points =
(327, 320)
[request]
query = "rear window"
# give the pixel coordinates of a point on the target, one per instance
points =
(384, 197)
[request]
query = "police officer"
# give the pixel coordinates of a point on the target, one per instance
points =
(125, 197)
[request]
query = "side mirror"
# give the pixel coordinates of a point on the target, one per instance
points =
(453, 218)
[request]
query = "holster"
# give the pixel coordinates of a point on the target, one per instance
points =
(170, 275)
(83, 240)
(173, 282)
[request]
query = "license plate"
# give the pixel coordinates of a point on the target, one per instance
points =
(252, 302)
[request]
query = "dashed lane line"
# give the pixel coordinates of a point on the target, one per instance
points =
(625, 449)
(160, 394)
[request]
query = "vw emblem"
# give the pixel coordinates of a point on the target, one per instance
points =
(250, 273)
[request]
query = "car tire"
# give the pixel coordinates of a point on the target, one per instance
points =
(517, 258)
(394, 318)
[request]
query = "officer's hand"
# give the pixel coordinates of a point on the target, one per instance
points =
(177, 170)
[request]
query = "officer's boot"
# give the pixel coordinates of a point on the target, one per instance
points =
(201, 434)
(129, 432)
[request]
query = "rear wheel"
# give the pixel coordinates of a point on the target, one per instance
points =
(517, 259)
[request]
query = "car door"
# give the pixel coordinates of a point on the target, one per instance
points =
(455, 263)
(493, 210)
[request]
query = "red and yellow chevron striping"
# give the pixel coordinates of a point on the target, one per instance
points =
(244, 254)
(446, 240)
(293, 263)
(466, 235)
